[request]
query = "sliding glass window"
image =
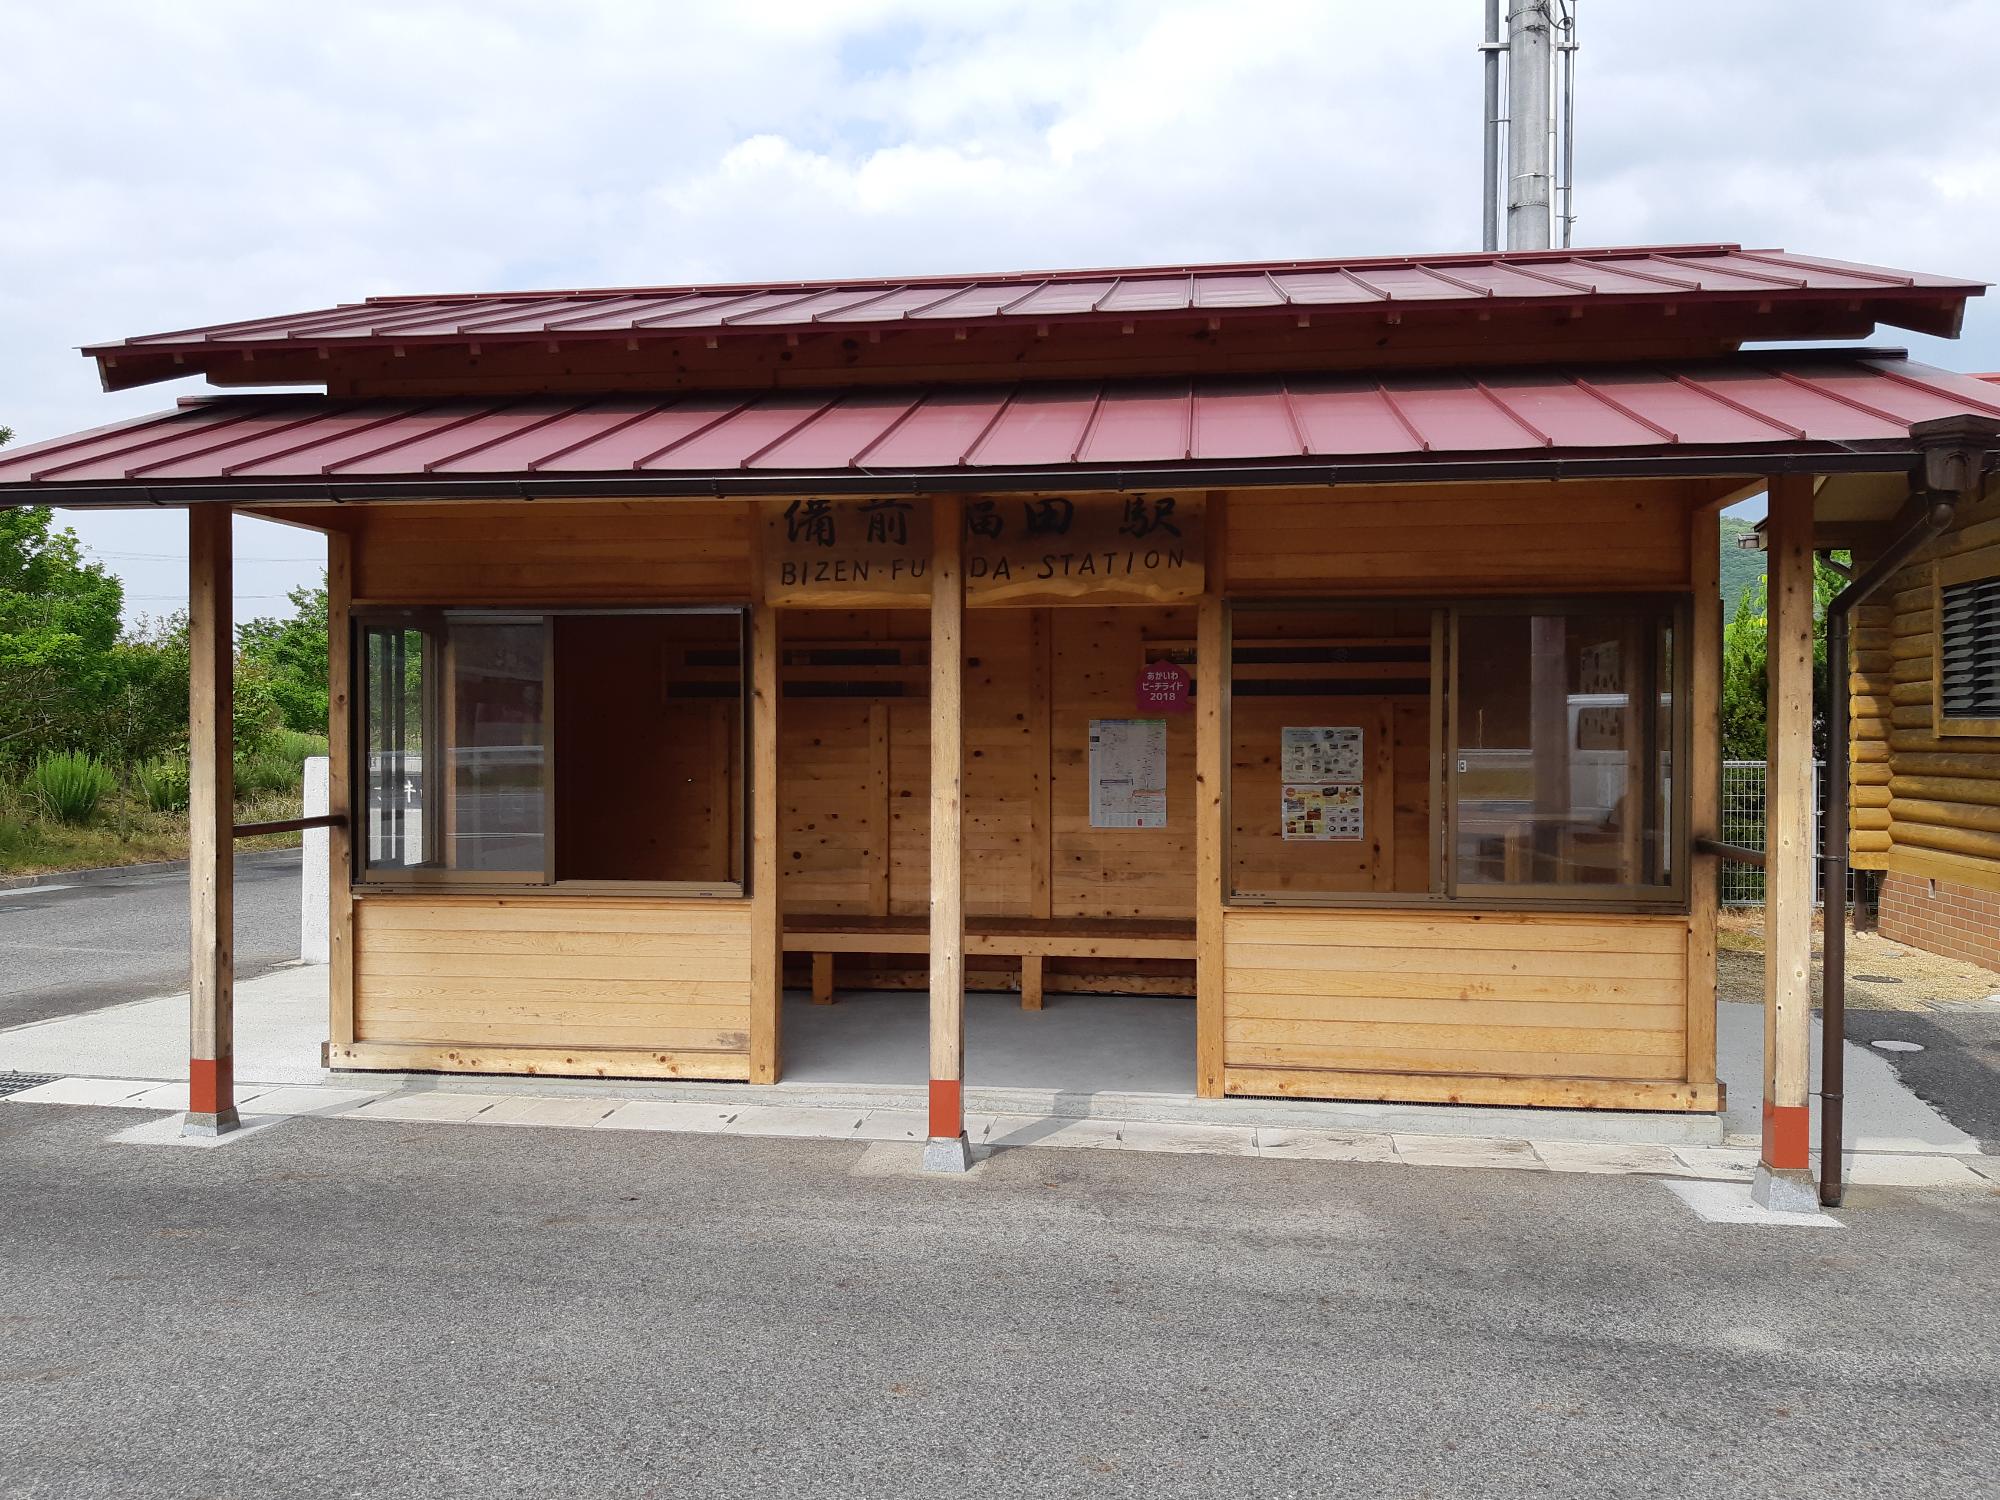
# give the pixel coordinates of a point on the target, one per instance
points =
(1498, 753)
(1565, 739)
(574, 748)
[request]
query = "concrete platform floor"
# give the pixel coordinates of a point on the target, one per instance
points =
(1104, 1056)
(1077, 1044)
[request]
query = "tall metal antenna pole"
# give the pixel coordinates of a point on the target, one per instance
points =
(1567, 47)
(1529, 90)
(1489, 59)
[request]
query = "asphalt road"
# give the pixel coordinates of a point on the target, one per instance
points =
(337, 1308)
(64, 950)
(1957, 1073)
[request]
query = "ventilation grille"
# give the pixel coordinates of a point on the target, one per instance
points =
(1969, 657)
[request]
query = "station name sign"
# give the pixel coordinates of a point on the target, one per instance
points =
(1018, 549)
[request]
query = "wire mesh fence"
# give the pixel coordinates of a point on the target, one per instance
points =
(1743, 823)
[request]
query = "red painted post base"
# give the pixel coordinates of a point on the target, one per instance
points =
(1787, 1136)
(211, 1097)
(947, 1120)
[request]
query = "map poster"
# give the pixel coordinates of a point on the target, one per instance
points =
(1323, 812)
(1322, 753)
(1128, 773)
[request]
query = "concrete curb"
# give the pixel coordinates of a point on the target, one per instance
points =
(124, 872)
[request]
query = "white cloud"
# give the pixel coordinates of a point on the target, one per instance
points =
(167, 165)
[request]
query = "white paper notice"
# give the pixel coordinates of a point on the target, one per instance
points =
(1322, 798)
(1128, 773)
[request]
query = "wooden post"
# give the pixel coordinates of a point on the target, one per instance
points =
(211, 824)
(767, 955)
(1783, 1178)
(1704, 773)
(340, 799)
(947, 1150)
(1211, 832)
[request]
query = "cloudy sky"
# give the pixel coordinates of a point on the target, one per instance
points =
(167, 163)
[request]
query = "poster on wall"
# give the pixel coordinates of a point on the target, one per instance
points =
(1323, 812)
(1322, 798)
(1128, 773)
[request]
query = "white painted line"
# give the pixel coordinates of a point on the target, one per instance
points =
(1730, 1203)
(37, 890)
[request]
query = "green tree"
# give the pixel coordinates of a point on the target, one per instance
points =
(59, 625)
(1745, 654)
(286, 661)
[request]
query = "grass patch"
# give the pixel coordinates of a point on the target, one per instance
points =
(125, 831)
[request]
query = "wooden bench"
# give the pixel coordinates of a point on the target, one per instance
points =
(1030, 939)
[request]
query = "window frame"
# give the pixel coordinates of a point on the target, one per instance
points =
(1980, 565)
(436, 880)
(1447, 892)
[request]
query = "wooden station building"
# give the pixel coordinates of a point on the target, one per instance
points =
(1335, 643)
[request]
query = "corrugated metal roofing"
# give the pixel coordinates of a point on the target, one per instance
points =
(1648, 273)
(1790, 401)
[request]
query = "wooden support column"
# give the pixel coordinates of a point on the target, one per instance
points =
(211, 824)
(947, 834)
(340, 799)
(1704, 773)
(767, 955)
(1211, 831)
(1783, 1179)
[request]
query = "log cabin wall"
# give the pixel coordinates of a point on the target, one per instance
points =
(1925, 791)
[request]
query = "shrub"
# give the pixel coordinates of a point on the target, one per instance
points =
(70, 786)
(267, 771)
(163, 783)
(295, 745)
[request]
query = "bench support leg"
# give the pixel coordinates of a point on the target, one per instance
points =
(1031, 981)
(822, 978)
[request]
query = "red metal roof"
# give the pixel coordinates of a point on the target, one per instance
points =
(1836, 408)
(1758, 279)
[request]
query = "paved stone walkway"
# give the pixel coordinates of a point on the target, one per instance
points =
(485, 1109)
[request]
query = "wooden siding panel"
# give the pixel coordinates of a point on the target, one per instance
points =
(1461, 539)
(653, 977)
(625, 552)
(1529, 997)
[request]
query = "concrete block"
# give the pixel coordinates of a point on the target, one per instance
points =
(1912, 1171)
(1719, 1163)
(1466, 1151)
(1188, 1140)
(948, 1156)
(523, 1109)
(167, 1131)
(310, 1099)
(1787, 1190)
(113, 1091)
(910, 1125)
(448, 1109)
(1731, 1203)
(1587, 1156)
(668, 1114)
(1054, 1130)
(1323, 1145)
(803, 1123)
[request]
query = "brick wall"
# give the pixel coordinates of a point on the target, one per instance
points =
(1940, 917)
